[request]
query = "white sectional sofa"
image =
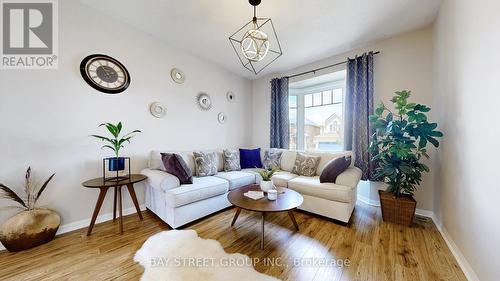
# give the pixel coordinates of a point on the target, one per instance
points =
(178, 204)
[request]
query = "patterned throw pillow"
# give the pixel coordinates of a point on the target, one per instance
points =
(272, 159)
(205, 163)
(306, 165)
(231, 160)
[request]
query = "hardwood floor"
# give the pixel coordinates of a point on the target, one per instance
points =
(375, 250)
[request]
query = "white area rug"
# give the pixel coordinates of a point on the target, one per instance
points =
(177, 255)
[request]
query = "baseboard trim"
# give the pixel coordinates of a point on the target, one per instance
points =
(85, 223)
(467, 269)
(368, 201)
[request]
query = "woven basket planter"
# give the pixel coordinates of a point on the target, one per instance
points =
(397, 210)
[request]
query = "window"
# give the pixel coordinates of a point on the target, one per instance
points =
(292, 104)
(317, 113)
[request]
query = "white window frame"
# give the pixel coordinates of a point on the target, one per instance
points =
(301, 93)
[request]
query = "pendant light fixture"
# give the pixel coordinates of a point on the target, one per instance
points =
(256, 43)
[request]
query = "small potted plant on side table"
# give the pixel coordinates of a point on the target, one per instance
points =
(117, 163)
(398, 144)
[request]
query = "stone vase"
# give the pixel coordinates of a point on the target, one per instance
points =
(29, 229)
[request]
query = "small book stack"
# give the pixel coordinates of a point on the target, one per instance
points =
(255, 195)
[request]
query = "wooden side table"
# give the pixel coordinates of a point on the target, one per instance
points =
(117, 185)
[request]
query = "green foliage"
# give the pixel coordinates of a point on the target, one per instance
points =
(267, 174)
(32, 192)
(399, 141)
(115, 142)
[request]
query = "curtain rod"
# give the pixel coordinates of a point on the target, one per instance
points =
(321, 68)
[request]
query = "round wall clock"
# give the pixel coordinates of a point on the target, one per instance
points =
(105, 74)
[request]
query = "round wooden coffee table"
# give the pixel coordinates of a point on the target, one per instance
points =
(287, 201)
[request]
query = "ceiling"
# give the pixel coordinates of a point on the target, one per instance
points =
(308, 30)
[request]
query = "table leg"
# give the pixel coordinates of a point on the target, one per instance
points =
(238, 210)
(120, 206)
(100, 199)
(262, 230)
(290, 213)
(131, 191)
(114, 203)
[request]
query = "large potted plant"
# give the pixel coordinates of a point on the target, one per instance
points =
(398, 145)
(32, 226)
(115, 143)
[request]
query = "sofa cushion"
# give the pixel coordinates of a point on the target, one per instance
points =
(237, 178)
(255, 172)
(250, 158)
(326, 157)
(174, 164)
(334, 168)
(306, 165)
(231, 160)
(330, 191)
(288, 160)
(281, 178)
(206, 163)
(202, 188)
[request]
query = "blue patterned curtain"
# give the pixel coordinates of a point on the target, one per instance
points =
(358, 107)
(280, 130)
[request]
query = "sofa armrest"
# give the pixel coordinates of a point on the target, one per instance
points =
(350, 177)
(161, 180)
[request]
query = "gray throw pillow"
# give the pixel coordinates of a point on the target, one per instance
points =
(306, 165)
(205, 163)
(272, 159)
(231, 160)
(175, 165)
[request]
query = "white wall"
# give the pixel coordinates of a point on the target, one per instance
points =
(47, 115)
(404, 62)
(466, 91)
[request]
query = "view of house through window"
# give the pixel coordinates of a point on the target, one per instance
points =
(317, 113)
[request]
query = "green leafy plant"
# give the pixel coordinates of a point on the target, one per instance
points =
(267, 174)
(31, 190)
(115, 142)
(399, 141)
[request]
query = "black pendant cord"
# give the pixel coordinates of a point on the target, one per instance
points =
(321, 68)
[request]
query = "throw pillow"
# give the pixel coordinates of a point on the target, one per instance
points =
(250, 158)
(175, 165)
(231, 160)
(306, 165)
(205, 163)
(272, 159)
(334, 168)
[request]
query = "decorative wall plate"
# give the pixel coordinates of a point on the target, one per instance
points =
(221, 117)
(231, 97)
(204, 101)
(158, 110)
(177, 75)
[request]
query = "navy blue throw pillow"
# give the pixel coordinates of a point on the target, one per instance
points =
(250, 158)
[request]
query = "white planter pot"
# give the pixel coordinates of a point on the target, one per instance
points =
(266, 185)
